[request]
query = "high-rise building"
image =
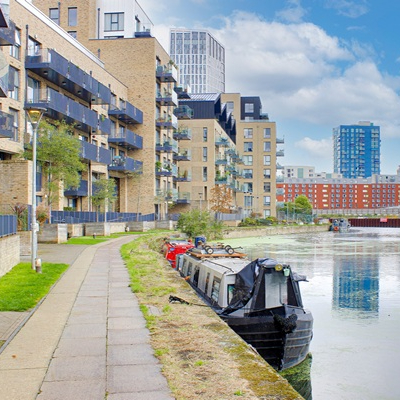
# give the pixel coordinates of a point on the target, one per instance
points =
(356, 150)
(200, 59)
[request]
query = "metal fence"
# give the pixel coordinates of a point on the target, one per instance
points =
(8, 225)
(79, 217)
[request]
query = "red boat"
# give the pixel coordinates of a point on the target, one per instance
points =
(174, 247)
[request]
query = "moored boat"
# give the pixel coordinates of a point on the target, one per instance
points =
(260, 300)
(340, 225)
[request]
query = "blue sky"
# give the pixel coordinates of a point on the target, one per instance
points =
(316, 64)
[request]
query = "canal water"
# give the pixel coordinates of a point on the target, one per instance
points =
(353, 291)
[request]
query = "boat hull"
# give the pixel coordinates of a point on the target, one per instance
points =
(280, 349)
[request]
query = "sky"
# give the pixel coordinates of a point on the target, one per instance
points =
(315, 64)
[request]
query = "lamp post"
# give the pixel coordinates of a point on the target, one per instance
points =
(34, 114)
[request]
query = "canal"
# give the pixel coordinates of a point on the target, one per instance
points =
(354, 295)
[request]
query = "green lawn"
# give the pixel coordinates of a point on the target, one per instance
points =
(22, 288)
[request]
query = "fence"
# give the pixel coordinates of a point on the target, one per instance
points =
(8, 225)
(79, 217)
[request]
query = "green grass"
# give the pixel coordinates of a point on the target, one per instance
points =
(88, 240)
(22, 288)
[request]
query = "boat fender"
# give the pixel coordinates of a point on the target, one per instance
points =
(285, 325)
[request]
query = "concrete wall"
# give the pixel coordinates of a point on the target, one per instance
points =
(140, 226)
(75, 230)
(275, 230)
(9, 253)
(54, 233)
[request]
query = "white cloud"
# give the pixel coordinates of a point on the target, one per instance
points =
(315, 148)
(349, 8)
(294, 12)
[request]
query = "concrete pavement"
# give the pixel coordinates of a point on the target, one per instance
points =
(87, 340)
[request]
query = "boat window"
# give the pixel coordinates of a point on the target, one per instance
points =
(275, 290)
(189, 270)
(196, 276)
(207, 280)
(231, 288)
(215, 290)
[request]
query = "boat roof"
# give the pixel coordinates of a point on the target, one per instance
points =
(223, 265)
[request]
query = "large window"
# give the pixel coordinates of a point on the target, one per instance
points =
(205, 134)
(249, 108)
(205, 174)
(15, 114)
(267, 146)
(267, 160)
(204, 154)
(33, 47)
(267, 133)
(248, 173)
(248, 146)
(114, 22)
(54, 14)
(32, 94)
(248, 160)
(248, 133)
(267, 201)
(267, 173)
(72, 16)
(13, 83)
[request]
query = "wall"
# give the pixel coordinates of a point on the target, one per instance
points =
(9, 253)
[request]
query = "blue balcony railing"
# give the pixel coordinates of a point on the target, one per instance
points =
(168, 146)
(7, 35)
(91, 152)
(127, 139)
(184, 112)
(55, 68)
(80, 191)
(6, 125)
(127, 113)
(125, 164)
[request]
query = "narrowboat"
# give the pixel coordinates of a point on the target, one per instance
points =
(340, 225)
(260, 300)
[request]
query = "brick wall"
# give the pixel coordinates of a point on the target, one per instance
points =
(9, 253)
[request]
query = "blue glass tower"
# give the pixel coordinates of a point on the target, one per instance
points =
(356, 150)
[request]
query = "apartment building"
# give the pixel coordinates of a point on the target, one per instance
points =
(48, 68)
(356, 150)
(119, 33)
(339, 194)
(200, 59)
(256, 140)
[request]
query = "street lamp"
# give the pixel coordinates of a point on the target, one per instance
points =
(34, 114)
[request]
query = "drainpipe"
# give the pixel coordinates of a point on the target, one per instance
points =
(98, 23)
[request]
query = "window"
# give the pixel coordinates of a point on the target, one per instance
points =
(15, 114)
(248, 160)
(267, 213)
(204, 154)
(33, 47)
(215, 290)
(267, 133)
(229, 106)
(267, 174)
(114, 22)
(267, 187)
(205, 134)
(13, 83)
(267, 160)
(73, 34)
(72, 16)
(248, 133)
(248, 146)
(15, 51)
(267, 146)
(267, 201)
(249, 108)
(205, 177)
(248, 173)
(32, 90)
(54, 15)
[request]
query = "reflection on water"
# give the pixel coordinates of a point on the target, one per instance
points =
(354, 295)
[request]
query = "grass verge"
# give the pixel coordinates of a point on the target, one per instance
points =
(200, 355)
(22, 287)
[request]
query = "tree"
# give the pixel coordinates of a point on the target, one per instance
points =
(302, 205)
(58, 154)
(197, 222)
(104, 192)
(221, 199)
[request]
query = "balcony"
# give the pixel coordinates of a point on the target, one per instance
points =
(167, 169)
(183, 198)
(168, 146)
(280, 153)
(184, 112)
(53, 67)
(280, 179)
(80, 191)
(60, 107)
(167, 98)
(280, 141)
(167, 73)
(125, 164)
(222, 142)
(7, 35)
(184, 176)
(183, 134)
(126, 113)
(167, 122)
(91, 152)
(221, 161)
(104, 125)
(127, 139)
(6, 125)
(183, 155)
(279, 166)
